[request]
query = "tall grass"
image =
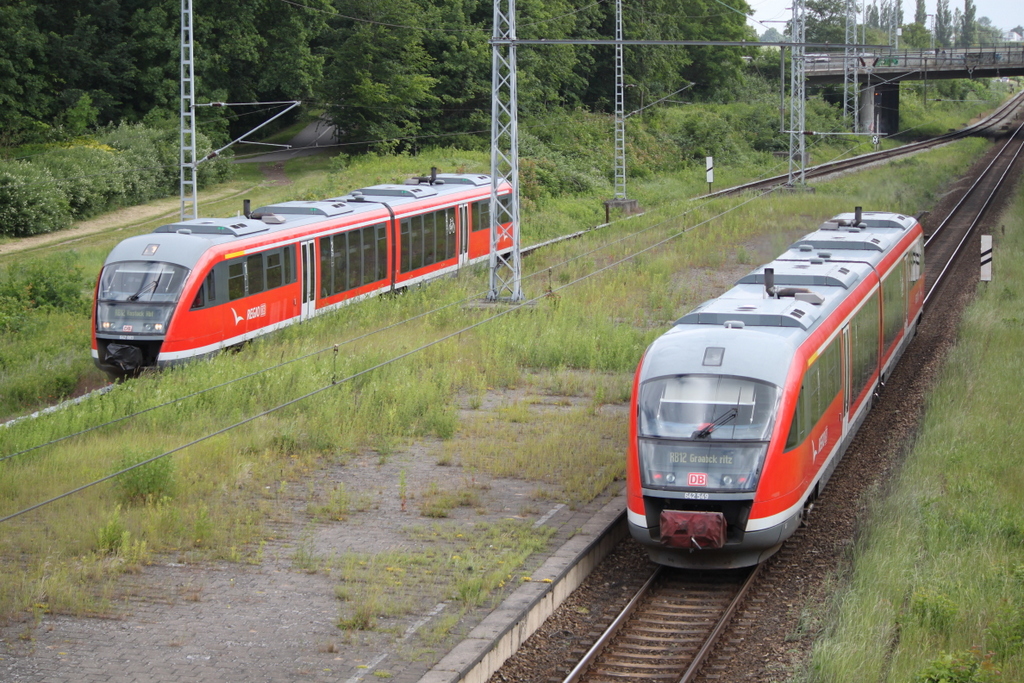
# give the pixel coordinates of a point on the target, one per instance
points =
(937, 584)
(225, 485)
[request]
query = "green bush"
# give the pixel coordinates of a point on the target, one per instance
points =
(147, 483)
(91, 178)
(55, 282)
(31, 201)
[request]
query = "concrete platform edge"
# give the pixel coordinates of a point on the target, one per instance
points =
(500, 634)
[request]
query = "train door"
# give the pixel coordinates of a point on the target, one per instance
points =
(847, 373)
(463, 234)
(308, 279)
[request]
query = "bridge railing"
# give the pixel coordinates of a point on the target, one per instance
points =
(939, 59)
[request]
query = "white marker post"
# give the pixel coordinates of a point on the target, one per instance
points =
(986, 258)
(711, 172)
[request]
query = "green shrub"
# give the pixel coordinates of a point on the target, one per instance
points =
(91, 178)
(147, 483)
(55, 282)
(960, 667)
(31, 200)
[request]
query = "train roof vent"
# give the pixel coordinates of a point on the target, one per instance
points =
(786, 312)
(215, 227)
(810, 274)
(475, 179)
(410, 191)
(824, 241)
(869, 219)
(298, 208)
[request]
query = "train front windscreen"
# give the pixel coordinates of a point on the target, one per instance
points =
(704, 433)
(138, 297)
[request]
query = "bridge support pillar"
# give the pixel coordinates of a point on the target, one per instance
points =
(880, 108)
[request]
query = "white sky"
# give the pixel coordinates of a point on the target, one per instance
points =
(1005, 14)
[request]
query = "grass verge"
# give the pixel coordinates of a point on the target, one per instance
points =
(937, 585)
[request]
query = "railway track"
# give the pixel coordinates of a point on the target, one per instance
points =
(990, 125)
(687, 627)
(667, 629)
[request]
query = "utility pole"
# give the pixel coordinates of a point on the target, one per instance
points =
(506, 270)
(620, 109)
(187, 132)
(797, 97)
(851, 87)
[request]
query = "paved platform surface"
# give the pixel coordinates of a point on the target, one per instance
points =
(278, 620)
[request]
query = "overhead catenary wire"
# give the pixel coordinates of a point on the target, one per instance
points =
(378, 366)
(334, 346)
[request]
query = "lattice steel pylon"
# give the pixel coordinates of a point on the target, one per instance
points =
(506, 270)
(187, 147)
(620, 109)
(851, 88)
(797, 96)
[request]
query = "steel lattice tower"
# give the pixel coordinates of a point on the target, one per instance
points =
(506, 270)
(620, 109)
(797, 96)
(851, 88)
(187, 147)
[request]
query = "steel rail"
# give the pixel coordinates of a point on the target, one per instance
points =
(940, 279)
(598, 647)
(997, 117)
(698, 660)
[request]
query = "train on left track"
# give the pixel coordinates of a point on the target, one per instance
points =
(742, 410)
(191, 288)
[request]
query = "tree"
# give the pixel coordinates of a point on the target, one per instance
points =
(943, 24)
(375, 74)
(771, 36)
(967, 28)
(916, 37)
(987, 33)
(920, 13)
(825, 21)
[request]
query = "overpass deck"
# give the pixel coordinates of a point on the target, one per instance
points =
(901, 65)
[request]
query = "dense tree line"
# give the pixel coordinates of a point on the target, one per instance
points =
(382, 69)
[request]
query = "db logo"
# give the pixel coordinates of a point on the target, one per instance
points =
(697, 479)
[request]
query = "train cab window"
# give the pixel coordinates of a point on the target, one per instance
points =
(708, 407)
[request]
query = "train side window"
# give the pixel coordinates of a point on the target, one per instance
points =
(236, 280)
(274, 270)
(254, 274)
(449, 233)
(382, 251)
(367, 254)
(326, 274)
(199, 301)
(482, 215)
(355, 259)
(211, 289)
(796, 431)
(339, 255)
(430, 239)
(289, 261)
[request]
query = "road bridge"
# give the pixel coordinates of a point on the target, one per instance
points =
(879, 74)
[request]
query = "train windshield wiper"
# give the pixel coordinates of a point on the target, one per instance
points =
(152, 284)
(705, 431)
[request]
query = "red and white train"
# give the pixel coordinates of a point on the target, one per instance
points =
(741, 412)
(192, 288)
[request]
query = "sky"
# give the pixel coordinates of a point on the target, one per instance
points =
(1005, 14)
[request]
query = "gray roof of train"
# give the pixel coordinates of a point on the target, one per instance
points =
(754, 329)
(184, 242)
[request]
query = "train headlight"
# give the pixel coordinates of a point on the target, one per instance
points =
(670, 478)
(159, 327)
(107, 325)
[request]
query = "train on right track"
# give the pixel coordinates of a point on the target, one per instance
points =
(742, 410)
